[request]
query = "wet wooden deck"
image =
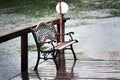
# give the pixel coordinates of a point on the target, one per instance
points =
(74, 70)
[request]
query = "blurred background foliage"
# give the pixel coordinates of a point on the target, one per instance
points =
(40, 7)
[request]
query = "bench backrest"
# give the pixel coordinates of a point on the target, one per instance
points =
(43, 32)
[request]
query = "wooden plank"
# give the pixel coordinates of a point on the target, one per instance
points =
(63, 45)
(79, 70)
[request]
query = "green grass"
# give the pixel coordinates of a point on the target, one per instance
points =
(40, 7)
(37, 8)
(32, 47)
(44, 8)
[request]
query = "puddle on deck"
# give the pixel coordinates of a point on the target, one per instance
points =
(79, 70)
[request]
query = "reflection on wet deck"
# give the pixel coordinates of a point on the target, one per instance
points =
(75, 70)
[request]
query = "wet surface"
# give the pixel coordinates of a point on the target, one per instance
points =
(98, 24)
(79, 70)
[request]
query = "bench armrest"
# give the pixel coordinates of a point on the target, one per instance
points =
(69, 34)
(49, 42)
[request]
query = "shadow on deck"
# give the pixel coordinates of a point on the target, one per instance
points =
(75, 70)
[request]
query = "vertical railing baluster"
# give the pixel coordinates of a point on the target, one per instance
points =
(24, 52)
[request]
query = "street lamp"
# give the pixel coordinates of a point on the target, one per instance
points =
(64, 8)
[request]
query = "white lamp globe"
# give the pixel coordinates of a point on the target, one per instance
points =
(64, 7)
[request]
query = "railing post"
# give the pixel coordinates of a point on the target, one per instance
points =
(24, 52)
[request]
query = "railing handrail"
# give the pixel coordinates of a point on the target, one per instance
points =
(20, 31)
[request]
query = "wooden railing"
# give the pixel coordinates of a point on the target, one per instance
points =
(23, 33)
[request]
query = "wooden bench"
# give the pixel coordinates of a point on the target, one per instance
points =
(44, 34)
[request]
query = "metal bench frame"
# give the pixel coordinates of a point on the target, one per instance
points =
(49, 32)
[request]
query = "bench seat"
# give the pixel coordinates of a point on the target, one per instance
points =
(62, 45)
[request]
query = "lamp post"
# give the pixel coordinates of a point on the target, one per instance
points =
(61, 8)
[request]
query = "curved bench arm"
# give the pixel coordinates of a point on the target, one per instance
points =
(69, 34)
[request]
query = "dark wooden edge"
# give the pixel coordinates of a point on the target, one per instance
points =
(18, 32)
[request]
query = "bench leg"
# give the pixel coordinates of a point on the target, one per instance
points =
(55, 60)
(56, 63)
(75, 58)
(38, 59)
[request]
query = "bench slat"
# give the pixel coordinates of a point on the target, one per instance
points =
(62, 45)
